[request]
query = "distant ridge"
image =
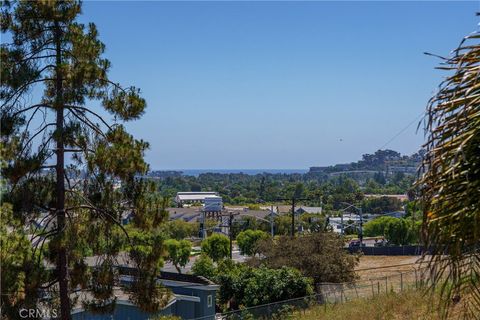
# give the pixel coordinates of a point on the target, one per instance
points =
(197, 172)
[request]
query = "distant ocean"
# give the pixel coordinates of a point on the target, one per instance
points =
(196, 172)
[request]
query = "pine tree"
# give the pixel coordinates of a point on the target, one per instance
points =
(66, 151)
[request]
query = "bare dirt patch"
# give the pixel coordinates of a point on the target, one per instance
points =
(382, 266)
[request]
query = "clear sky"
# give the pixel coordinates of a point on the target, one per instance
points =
(278, 84)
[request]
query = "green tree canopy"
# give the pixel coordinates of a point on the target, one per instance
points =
(398, 232)
(20, 274)
(248, 241)
(217, 246)
(66, 151)
(204, 266)
(319, 256)
(178, 252)
(381, 205)
(246, 286)
(179, 229)
(376, 227)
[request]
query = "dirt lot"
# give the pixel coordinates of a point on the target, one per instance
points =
(381, 266)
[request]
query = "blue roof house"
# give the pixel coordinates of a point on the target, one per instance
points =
(193, 298)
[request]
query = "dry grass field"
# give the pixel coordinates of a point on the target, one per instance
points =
(372, 267)
(408, 305)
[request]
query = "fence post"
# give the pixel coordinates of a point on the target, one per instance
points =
(373, 291)
(325, 302)
(321, 296)
(378, 287)
(401, 281)
(416, 285)
(386, 284)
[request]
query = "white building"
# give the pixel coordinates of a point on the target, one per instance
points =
(192, 197)
(349, 220)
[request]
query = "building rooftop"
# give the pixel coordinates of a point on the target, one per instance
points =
(193, 196)
(302, 209)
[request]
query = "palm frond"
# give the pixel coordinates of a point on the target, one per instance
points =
(450, 182)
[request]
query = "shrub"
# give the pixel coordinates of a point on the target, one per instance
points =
(248, 241)
(217, 246)
(204, 267)
(319, 255)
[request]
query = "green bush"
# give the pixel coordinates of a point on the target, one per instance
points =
(217, 246)
(178, 252)
(376, 227)
(248, 241)
(247, 286)
(204, 267)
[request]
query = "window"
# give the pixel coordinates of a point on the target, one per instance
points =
(209, 301)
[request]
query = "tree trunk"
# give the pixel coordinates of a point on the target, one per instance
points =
(62, 271)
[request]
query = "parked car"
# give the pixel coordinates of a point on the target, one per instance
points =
(380, 243)
(355, 244)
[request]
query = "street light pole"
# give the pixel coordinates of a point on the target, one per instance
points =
(230, 233)
(341, 223)
(361, 227)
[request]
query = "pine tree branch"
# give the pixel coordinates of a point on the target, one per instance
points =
(48, 167)
(31, 107)
(41, 221)
(22, 88)
(88, 123)
(46, 67)
(26, 144)
(40, 248)
(38, 50)
(66, 178)
(32, 116)
(82, 148)
(116, 85)
(35, 58)
(48, 285)
(44, 145)
(31, 36)
(70, 107)
(90, 206)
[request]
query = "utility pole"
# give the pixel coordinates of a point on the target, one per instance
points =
(293, 200)
(230, 216)
(271, 221)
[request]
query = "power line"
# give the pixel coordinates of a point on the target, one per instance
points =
(402, 131)
(392, 266)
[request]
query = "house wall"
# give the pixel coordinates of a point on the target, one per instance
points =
(185, 309)
(122, 312)
(201, 308)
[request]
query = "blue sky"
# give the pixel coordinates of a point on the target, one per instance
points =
(278, 84)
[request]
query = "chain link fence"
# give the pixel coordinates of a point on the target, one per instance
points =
(334, 293)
